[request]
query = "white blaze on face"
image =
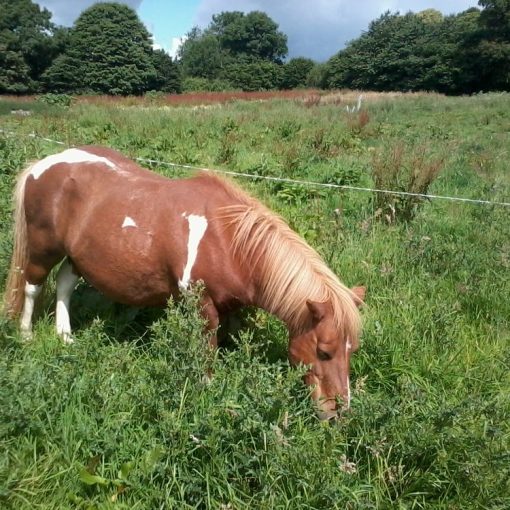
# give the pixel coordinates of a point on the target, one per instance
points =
(128, 222)
(68, 156)
(197, 228)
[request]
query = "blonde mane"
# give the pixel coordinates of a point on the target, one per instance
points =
(289, 270)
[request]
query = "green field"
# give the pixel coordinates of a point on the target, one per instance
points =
(124, 419)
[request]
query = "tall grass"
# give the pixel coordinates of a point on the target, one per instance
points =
(395, 170)
(124, 418)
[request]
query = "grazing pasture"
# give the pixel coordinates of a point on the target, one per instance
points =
(123, 417)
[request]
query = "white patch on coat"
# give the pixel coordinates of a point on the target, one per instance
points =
(128, 222)
(197, 228)
(68, 156)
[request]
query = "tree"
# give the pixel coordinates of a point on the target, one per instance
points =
(168, 78)
(421, 51)
(317, 76)
(462, 36)
(201, 55)
(494, 46)
(296, 72)
(251, 75)
(26, 45)
(245, 50)
(253, 35)
(495, 17)
(109, 52)
(432, 16)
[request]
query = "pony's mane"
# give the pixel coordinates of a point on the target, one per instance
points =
(290, 271)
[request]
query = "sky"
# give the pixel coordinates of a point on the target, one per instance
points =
(315, 29)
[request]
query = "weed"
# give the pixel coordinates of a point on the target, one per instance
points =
(412, 173)
(356, 122)
(56, 99)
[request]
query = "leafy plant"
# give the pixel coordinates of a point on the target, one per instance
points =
(56, 99)
(394, 170)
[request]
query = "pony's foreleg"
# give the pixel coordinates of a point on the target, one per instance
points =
(212, 321)
(210, 314)
(31, 293)
(66, 282)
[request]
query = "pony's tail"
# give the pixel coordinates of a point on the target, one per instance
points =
(15, 285)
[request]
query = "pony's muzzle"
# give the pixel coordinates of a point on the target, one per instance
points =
(327, 415)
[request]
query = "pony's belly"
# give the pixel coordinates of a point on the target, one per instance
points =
(136, 289)
(124, 263)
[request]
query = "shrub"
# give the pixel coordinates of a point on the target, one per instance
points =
(56, 99)
(394, 170)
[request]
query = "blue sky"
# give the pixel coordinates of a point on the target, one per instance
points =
(168, 20)
(315, 28)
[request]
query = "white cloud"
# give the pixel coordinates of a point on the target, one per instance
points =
(175, 45)
(172, 48)
(319, 28)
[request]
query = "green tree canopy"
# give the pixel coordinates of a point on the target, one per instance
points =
(296, 73)
(253, 35)
(167, 77)
(494, 46)
(251, 75)
(245, 50)
(201, 55)
(421, 51)
(109, 52)
(27, 45)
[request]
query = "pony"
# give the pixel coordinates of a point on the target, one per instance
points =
(139, 238)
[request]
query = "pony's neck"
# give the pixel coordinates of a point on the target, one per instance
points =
(262, 299)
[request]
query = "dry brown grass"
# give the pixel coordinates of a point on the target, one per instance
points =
(346, 97)
(309, 97)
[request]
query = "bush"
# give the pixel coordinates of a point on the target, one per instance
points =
(395, 170)
(56, 99)
(255, 75)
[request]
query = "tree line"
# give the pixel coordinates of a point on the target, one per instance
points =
(108, 50)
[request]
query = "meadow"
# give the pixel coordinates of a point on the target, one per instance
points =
(123, 417)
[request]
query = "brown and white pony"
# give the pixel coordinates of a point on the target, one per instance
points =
(139, 237)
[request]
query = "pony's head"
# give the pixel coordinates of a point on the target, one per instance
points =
(326, 350)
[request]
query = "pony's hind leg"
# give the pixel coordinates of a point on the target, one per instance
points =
(35, 275)
(66, 282)
(31, 294)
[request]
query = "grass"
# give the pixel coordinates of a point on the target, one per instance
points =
(123, 418)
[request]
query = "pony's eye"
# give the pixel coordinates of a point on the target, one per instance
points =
(323, 355)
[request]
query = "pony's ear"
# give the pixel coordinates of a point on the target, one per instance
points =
(359, 295)
(317, 309)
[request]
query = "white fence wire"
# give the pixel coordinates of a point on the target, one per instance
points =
(288, 180)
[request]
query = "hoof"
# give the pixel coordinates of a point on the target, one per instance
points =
(207, 378)
(26, 335)
(67, 339)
